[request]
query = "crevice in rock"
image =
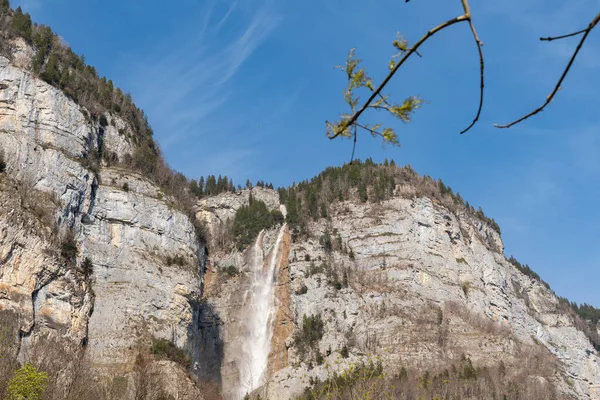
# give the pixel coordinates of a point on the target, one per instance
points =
(100, 142)
(13, 246)
(27, 333)
(85, 218)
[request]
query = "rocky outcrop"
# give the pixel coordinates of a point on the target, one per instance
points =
(410, 282)
(411, 255)
(131, 238)
(283, 323)
(219, 211)
(35, 283)
(147, 263)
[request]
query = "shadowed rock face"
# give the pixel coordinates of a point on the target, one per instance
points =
(128, 235)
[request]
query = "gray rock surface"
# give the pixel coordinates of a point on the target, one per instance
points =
(414, 262)
(129, 235)
(218, 211)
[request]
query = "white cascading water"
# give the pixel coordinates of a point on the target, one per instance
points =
(259, 312)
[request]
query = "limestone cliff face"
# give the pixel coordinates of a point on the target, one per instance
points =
(418, 286)
(34, 284)
(129, 232)
(410, 255)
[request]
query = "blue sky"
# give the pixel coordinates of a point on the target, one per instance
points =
(243, 88)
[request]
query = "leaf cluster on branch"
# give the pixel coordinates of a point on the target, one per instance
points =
(348, 125)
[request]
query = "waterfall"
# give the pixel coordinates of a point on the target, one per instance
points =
(259, 310)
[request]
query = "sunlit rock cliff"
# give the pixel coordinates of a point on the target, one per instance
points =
(119, 222)
(413, 284)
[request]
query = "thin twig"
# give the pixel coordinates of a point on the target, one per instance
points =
(378, 107)
(384, 99)
(549, 39)
(481, 65)
(377, 91)
(586, 31)
(354, 145)
(374, 132)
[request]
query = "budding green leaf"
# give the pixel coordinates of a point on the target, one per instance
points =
(351, 63)
(400, 43)
(337, 129)
(404, 111)
(390, 136)
(358, 78)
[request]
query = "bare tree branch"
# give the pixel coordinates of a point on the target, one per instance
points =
(373, 132)
(354, 145)
(481, 65)
(414, 50)
(410, 52)
(585, 32)
(384, 99)
(549, 39)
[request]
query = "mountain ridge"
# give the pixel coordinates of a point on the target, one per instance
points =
(366, 252)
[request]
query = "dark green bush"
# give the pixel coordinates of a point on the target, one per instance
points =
(314, 269)
(231, 271)
(302, 290)
(345, 353)
(176, 260)
(87, 267)
(68, 247)
(162, 348)
(2, 162)
(250, 220)
(91, 161)
(277, 216)
(325, 241)
(309, 335)
(319, 359)
(467, 369)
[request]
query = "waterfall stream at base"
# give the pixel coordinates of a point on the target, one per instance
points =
(259, 310)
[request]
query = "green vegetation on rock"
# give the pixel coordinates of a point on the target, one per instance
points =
(27, 384)
(251, 219)
(367, 182)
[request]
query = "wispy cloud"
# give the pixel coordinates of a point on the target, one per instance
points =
(180, 88)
